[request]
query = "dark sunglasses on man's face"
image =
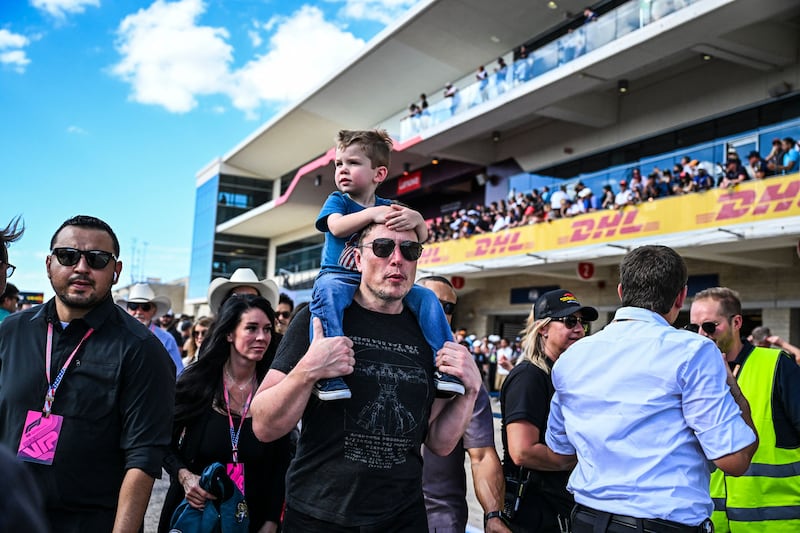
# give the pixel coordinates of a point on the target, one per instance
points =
(283, 314)
(708, 327)
(96, 259)
(383, 248)
(448, 307)
(132, 306)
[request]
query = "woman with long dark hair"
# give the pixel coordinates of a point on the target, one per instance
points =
(539, 496)
(212, 422)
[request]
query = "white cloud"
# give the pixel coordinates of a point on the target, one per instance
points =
(77, 130)
(61, 8)
(384, 11)
(12, 40)
(11, 50)
(304, 50)
(255, 38)
(168, 59)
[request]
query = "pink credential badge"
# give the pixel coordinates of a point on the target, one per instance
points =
(236, 473)
(39, 438)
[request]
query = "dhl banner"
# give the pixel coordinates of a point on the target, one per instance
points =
(751, 201)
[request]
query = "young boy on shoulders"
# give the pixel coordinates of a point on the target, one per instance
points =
(362, 163)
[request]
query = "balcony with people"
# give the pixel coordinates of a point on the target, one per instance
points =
(584, 34)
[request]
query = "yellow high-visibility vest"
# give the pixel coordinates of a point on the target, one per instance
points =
(767, 497)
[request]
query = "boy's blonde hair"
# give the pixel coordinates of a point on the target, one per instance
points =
(377, 144)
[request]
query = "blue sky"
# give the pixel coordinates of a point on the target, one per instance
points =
(111, 108)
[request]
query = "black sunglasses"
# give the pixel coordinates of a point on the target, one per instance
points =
(96, 259)
(448, 307)
(283, 314)
(708, 327)
(10, 270)
(383, 248)
(133, 306)
(571, 321)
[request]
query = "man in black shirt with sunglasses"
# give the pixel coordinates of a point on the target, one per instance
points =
(86, 393)
(358, 463)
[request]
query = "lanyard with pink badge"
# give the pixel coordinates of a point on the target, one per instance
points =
(236, 469)
(42, 429)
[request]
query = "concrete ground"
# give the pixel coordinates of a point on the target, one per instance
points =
(475, 512)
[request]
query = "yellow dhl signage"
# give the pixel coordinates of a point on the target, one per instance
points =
(751, 201)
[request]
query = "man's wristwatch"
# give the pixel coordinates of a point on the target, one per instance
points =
(493, 514)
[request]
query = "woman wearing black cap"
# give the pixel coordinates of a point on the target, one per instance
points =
(537, 499)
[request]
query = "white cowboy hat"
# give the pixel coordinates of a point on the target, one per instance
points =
(141, 293)
(241, 277)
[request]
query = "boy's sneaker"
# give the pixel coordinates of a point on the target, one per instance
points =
(448, 384)
(333, 389)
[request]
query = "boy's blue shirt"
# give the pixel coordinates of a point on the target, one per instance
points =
(334, 247)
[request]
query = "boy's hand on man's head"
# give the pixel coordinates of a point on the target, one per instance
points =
(404, 219)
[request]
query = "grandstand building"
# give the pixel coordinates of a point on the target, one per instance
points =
(643, 85)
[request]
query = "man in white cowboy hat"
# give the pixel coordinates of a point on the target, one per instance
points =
(143, 305)
(242, 281)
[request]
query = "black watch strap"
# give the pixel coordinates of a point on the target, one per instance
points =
(492, 514)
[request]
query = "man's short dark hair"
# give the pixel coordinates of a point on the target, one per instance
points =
(11, 292)
(652, 277)
(284, 298)
(89, 222)
(436, 279)
(9, 234)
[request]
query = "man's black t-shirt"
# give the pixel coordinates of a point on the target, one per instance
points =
(358, 461)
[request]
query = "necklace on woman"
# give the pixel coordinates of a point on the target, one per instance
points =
(241, 387)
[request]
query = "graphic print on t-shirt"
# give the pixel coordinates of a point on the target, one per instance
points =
(382, 420)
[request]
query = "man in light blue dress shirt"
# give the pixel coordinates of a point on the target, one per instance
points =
(644, 407)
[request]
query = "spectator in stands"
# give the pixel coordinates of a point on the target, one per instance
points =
(757, 165)
(637, 186)
(666, 184)
(651, 190)
(791, 157)
(451, 92)
(624, 197)
(702, 181)
(775, 157)
(557, 201)
(589, 15)
(734, 174)
(575, 208)
(607, 201)
(482, 78)
(586, 198)
(414, 111)
(423, 103)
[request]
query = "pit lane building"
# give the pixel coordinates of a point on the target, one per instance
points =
(643, 85)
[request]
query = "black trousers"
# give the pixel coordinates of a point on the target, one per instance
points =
(587, 520)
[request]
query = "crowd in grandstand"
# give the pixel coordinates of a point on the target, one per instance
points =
(688, 176)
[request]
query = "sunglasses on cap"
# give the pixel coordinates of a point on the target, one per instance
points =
(448, 307)
(96, 259)
(571, 321)
(708, 327)
(146, 306)
(383, 248)
(283, 314)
